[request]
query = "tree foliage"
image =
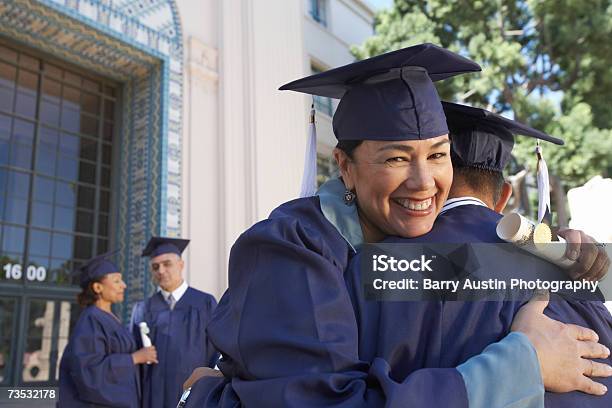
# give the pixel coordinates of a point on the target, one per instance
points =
(547, 63)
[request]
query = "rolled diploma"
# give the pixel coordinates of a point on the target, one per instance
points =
(144, 331)
(144, 335)
(536, 239)
(554, 251)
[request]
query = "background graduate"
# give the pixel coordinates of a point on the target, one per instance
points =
(286, 326)
(177, 316)
(453, 332)
(98, 367)
(482, 144)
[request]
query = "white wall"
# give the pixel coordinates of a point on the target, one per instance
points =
(201, 163)
(199, 19)
(242, 138)
(349, 22)
(322, 45)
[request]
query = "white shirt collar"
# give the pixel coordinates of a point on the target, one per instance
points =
(459, 201)
(176, 293)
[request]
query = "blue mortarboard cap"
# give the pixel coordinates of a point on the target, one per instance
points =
(483, 139)
(390, 96)
(96, 268)
(161, 245)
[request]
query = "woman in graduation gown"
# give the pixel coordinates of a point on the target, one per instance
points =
(454, 331)
(286, 328)
(98, 367)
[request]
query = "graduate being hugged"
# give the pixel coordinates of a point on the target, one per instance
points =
(98, 367)
(176, 317)
(287, 326)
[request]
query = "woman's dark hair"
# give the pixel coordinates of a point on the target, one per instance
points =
(348, 146)
(88, 297)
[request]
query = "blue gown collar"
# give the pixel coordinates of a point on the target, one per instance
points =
(343, 217)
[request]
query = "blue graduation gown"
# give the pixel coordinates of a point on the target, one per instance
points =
(288, 332)
(97, 369)
(179, 336)
(452, 332)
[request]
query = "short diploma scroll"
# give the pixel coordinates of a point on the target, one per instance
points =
(144, 335)
(536, 239)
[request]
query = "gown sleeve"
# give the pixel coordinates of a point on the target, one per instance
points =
(288, 332)
(135, 319)
(506, 374)
(100, 377)
(212, 355)
(594, 315)
(485, 374)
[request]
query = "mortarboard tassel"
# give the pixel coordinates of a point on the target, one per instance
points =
(309, 178)
(544, 211)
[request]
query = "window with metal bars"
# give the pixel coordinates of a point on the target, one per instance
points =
(57, 127)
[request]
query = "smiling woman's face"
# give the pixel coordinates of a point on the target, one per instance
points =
(400, 186)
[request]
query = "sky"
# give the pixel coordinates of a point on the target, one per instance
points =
(380, 4)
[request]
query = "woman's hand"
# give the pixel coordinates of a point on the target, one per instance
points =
(592, 261)
(145, 355)
(199, 373)
(564, 350)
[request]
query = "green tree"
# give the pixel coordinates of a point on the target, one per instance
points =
(548, 63)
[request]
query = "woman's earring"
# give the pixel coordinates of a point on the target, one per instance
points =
(349, 197)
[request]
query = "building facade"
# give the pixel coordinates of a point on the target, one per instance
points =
(233, 75)
(123, 119)
(331, 27)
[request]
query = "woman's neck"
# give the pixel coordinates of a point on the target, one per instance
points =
(104, 305)
(371, 233)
